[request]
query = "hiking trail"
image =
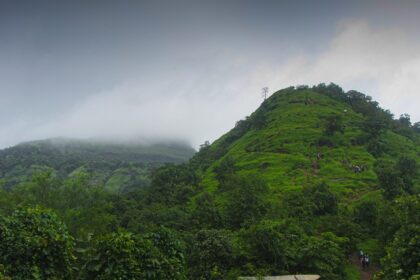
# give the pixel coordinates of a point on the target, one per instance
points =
(365, 273)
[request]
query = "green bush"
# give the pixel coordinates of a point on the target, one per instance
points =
(324, 201)
(210, 254)
(124, 256)
(403, 254)
(34, 244)
(334, 123)
(275, 245)
(323, 255)
(246, 202)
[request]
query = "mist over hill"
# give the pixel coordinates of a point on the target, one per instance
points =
(116, 164)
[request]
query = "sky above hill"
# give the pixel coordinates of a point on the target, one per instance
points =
(188, 70)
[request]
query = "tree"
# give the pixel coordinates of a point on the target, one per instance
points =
(210, 254)
(390, 181)
(403, 254)
(407, 168)
(3, 275)
(205, 213)
(259, 118)
(126, 256)
(43, 189)
(394, 215)
(298, 205)
(172, 261)
(405, 120)
(375, 125)
(416, 127)
(366, 214)
(322, 198)
(323, 255)
(77, 202)
(275, 244)
(167, 179)
(332, 90)
(225, 169)
(118, 256)
(34, 244)
(364, 104)
(376, 146)
(334, 124)
(390, 177)
(246, 201)
(205, 145)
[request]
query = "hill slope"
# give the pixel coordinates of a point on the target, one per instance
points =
(285, 142)
(332, 162)
(116, 166)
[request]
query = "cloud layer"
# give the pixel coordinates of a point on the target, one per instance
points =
(381, 62)
(201, 95)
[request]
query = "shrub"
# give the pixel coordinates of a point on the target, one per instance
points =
(334, 124)
(34, 244)
(210, 254)
(324, 201)
(126, 256)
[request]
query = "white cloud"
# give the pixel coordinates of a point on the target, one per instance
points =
(381, 62)
(200, 106)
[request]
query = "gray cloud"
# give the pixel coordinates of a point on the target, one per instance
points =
(190, 69)
(382, 62)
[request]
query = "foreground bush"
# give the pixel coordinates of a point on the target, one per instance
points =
(35, 244)
(125, 256)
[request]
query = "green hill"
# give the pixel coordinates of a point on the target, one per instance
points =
(329, 163)
(115, 165)
(285, 142)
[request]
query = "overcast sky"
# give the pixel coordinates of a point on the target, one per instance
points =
(188, 70)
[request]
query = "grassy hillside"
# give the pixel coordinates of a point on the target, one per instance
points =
(291, 150)
(330, 160)
(116, 166)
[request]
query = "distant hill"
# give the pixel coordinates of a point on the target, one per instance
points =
(116, 165)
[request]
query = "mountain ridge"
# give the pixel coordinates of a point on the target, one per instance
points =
(104, 158)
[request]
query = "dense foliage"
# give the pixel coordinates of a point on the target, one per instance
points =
(34, 244)
(312, 176)
(122, 255)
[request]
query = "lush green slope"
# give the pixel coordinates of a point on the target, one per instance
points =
(325, 159)
(285, 143)
(116, 166)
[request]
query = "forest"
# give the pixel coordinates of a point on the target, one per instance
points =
(310, 178)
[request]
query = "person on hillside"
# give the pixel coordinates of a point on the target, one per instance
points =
(367, 261)
(363, 262)
(361, 254)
